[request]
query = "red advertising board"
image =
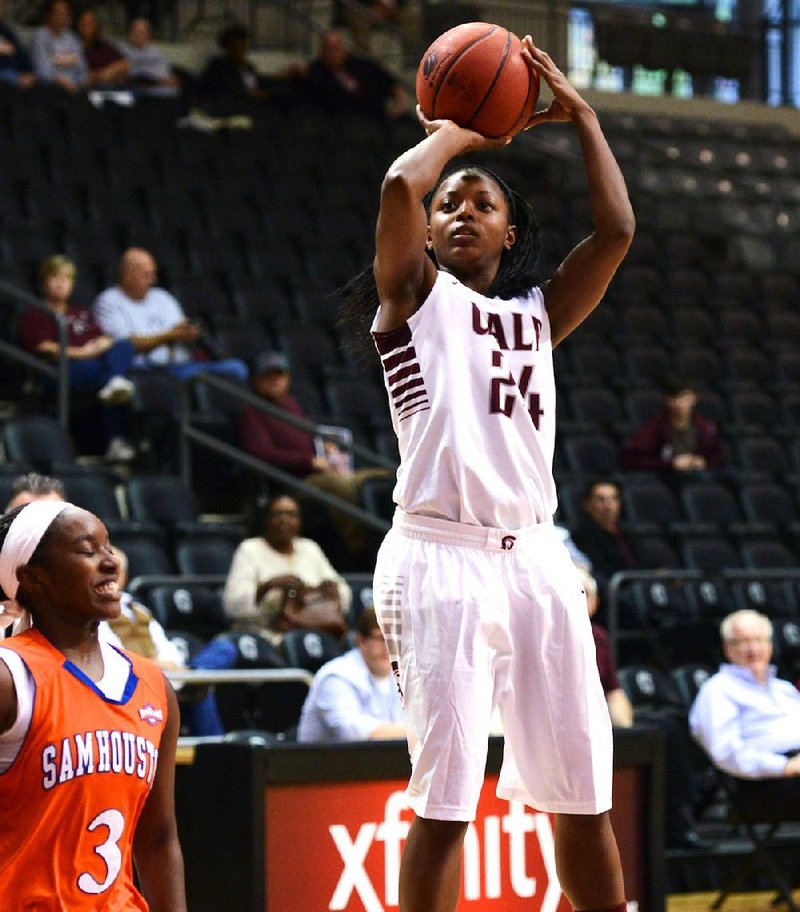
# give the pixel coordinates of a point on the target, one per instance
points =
(337, 846)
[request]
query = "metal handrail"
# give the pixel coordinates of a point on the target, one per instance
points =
(239, 675)
(22, 300)
(623, 577)
(167, 579)
(190, 434)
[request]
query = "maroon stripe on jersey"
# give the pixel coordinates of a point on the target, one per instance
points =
(393, 361)
(398, 391)
(399, 358)
(423, 407)
(387, 342)
(404, 372)
(403, 405)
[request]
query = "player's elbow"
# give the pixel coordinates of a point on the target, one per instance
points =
(397, 185)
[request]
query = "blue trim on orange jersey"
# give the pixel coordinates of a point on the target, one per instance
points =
(130, 684)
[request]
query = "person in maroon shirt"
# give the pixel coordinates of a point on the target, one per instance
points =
(96, 362)
(107, 66)
(677, 439)
(295, 450)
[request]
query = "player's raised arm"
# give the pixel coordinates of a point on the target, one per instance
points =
(404, 274)
(581, 280)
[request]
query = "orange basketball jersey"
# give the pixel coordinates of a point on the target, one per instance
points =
(70, 801)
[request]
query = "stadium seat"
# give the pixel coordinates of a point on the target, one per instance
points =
(309, 649)
(94, 491)
(688, 678)
(145, 551)
(205, 554)
(773, 597)
(648, 687)
(38, 440)
(194, 608)
(761, 554)
(591, 454)
(709, 554)
(650, 506)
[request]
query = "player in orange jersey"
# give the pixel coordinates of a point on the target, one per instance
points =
(87, 732)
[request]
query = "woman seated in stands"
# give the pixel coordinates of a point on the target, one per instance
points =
(96, 362)
(266, 570)
(107, 66)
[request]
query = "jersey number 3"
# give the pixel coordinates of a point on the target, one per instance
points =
(502, 399)
(108, 851)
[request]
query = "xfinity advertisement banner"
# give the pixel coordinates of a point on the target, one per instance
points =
(338, 847)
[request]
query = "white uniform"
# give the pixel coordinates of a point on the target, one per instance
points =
(477, 597)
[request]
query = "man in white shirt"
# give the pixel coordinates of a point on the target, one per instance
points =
(354, 696)
(747, 719)
(154, 322)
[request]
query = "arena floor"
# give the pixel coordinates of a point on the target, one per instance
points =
(740, 902)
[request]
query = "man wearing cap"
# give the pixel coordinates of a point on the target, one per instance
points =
(293, 449)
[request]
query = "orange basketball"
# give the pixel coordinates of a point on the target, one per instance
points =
(474, 75)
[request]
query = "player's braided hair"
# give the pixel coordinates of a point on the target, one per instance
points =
(5, 524)
(515, 276)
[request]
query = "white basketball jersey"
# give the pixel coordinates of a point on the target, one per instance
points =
(473, 402)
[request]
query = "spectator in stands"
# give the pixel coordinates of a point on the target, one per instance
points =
(599, 534)
(107, 66)
(230, 78)
(24, 490)
(338, 81)
(16, 65)
(747, 719)
(264, 568)
(677, 440)
(295, 451)
(362, 19)
(619, 706)
(97, 363)
(33, 486)
(153, 321)
(135, 628)
(149, 71)
(57, 51)
(679, 774)
(354, 697)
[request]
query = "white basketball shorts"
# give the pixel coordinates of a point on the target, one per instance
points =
(476, 618)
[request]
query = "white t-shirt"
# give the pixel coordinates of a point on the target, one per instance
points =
(473, 402)
(122, 317)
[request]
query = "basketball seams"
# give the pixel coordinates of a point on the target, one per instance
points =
(476, 76)
(498, 72)
(456, 57)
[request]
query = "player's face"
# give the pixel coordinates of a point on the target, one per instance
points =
(469, 224)
(77, 578)
(750, 646)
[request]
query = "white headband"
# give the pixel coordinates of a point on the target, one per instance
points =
(24, 534)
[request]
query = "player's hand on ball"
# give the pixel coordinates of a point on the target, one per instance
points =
(566, 100)
(476, 141)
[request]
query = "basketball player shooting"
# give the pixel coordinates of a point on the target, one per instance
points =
(478, 600)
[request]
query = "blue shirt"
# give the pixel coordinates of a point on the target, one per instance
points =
(746, 727)
(346, 703)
